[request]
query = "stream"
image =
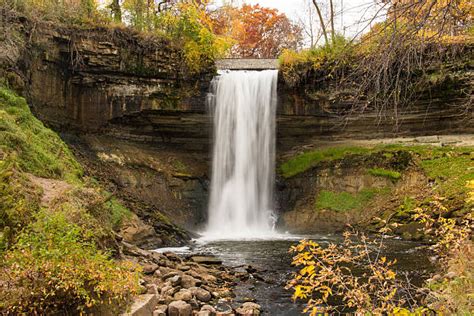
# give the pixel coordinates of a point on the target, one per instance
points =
(271, 260)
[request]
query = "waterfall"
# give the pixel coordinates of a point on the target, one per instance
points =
(243, 104)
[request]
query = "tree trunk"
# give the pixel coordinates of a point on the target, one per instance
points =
(333, 32)
(321, 20)
(116, 10)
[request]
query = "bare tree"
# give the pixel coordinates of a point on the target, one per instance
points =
(321, 21)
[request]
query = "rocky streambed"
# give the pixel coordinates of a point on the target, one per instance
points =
(244, 277)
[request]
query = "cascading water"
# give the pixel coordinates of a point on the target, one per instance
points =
(241, 203)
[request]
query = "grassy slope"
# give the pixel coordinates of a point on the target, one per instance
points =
(448, 167)
(72, 232)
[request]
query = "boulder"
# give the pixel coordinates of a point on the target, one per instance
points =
(183, 295)
(248, 309)
(179, 308)
(208, 308)
(176, 280)
(188, 281)
(206, 260)
(150, 268)
(201, 294)
(143, 305)
(160, 310)
(136, 232)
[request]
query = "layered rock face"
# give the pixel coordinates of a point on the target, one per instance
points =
(139, 95)
(138, 88)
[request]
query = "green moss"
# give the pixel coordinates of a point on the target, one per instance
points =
(449, 167)
(380, 172)
(305, 161)
(37, 149)
(345, 201)
(450, 172)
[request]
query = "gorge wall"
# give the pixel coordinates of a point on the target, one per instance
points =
(137, 116)
(139, 88)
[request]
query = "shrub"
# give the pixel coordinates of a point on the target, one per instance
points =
(52, 269)
(329, 58)
(188, 26)
(328, 273)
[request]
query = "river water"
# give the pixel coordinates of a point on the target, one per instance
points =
(271, 260)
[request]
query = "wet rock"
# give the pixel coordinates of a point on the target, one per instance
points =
(179, 308)
(183, 295)
(202, 313)
(172, 256)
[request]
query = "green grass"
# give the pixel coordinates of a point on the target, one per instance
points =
(450, 173)
(384, 173)
(449, 167)
(35, 148)
(345, 201)
(305, 161)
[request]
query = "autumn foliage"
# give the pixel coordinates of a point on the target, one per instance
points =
(257, 31)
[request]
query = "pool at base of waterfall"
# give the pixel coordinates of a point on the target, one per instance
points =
(268, 264)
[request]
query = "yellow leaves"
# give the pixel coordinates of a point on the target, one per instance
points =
(470, 194)
(308, 270)
(390, 275)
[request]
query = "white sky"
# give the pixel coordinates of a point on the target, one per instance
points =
(354, 11)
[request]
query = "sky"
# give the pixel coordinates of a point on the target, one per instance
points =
(353, 21)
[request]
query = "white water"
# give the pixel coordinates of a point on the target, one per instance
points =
(243, 104)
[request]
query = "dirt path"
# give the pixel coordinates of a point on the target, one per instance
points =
(52, 188)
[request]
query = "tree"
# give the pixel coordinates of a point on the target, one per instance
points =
(257, 31)
(116, 11)
(321, 21)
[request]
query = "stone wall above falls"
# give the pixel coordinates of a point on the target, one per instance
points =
(246, 64)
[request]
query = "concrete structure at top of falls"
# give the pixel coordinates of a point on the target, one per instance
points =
(243, 104)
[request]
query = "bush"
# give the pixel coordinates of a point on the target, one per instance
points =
(329, 58)
(53, 270)
(188, 26)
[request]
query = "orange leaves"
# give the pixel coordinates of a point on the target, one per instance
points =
(259, 32)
